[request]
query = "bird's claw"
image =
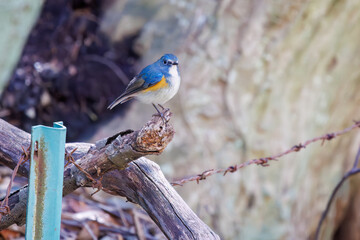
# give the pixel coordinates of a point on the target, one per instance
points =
(161, 114)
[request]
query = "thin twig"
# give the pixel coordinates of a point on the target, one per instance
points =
(110, 64)
(4, 207)
(357, 158)
(70, 159)
(351, 172)
(89, 230)
(138, 227)
(264, 161)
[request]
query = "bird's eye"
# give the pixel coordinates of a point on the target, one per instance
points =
(165, 62)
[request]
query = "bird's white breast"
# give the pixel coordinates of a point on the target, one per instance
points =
(174, 80)
(163, 95)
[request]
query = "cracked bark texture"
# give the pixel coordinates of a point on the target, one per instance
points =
(257, 77)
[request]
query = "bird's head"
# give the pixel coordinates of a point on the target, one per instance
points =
(168, 60)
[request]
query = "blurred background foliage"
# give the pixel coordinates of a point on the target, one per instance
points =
(257, 78)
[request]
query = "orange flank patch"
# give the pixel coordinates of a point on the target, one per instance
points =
(157, 86)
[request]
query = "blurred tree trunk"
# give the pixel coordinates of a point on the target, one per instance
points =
(257, 77)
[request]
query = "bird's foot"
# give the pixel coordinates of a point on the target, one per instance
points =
(162, 108)
(161, 113)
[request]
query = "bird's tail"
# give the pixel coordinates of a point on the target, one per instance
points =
(119, 100)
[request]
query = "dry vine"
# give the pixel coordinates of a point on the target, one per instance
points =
(4, 207)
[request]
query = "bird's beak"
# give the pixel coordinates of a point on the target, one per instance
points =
(175, 63)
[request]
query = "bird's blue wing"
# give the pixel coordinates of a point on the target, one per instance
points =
(148, 77)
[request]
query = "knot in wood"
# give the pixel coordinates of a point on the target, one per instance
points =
(156, 134)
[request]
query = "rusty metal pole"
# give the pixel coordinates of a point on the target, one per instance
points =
(43, 214)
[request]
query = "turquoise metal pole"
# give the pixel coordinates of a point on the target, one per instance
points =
(43, 214)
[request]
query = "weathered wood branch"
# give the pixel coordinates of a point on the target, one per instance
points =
(158, 198)
(140, 181)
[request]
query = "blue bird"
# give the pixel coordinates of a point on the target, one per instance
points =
(155, 84)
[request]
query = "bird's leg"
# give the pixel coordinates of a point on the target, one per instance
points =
(161, 107)
(164, 109)
(160, 114)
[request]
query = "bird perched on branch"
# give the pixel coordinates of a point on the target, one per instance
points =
(155, 84)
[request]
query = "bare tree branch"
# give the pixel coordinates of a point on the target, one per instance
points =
(354, 170)
(141, 182)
